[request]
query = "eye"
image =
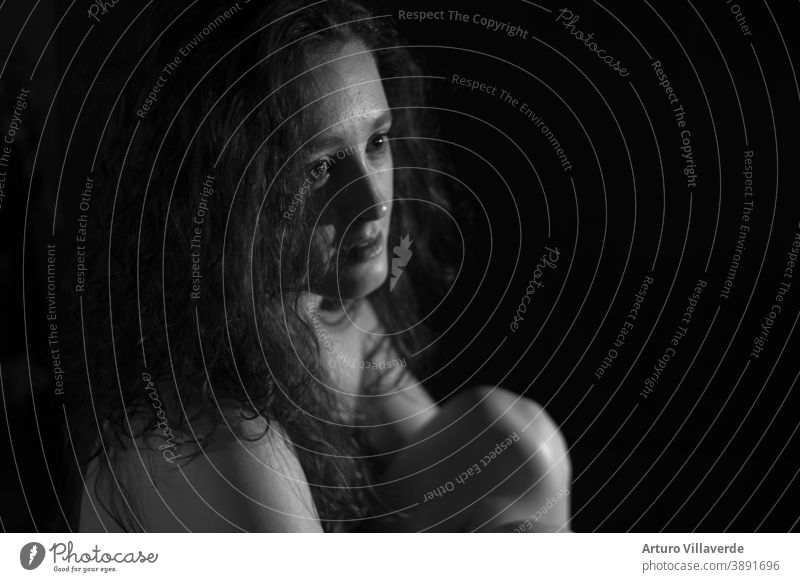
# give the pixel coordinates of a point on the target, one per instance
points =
(378, 144)
(318, 172)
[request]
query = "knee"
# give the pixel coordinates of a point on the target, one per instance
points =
(510, 414)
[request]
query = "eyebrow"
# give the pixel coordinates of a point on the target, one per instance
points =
(325, 142)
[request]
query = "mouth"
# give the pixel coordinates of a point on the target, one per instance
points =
(361, 250)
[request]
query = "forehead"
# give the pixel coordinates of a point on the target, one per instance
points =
(345, 85)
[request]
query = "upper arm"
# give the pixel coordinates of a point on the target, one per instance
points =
(230, 485)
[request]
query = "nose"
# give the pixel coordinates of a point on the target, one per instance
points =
(363, 199)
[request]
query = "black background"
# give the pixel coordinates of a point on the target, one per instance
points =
(714, 446)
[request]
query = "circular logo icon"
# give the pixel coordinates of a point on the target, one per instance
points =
(31, 555)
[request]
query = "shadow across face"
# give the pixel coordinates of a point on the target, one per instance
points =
(349, 167)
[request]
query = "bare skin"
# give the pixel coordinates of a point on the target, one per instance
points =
(391, 402)
(407, 421)
(235, 485)
(430, 445)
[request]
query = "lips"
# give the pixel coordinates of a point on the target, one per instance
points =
(362, 249)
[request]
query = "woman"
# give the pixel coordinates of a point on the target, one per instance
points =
(251, 363)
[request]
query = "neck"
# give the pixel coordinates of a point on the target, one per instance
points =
(332, 310)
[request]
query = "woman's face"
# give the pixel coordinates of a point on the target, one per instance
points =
(350, 169)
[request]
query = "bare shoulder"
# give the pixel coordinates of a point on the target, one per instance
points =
(245, 478)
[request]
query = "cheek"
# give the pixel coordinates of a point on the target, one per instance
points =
(323, 239)
(385, 177)
(387, 184)
(390, 178)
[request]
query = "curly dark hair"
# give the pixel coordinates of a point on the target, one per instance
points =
(244, 340)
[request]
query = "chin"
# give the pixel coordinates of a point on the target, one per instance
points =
(358, 281)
